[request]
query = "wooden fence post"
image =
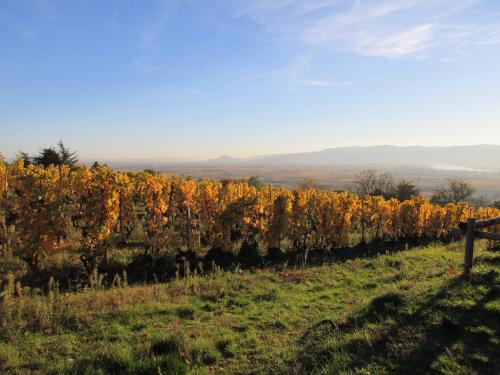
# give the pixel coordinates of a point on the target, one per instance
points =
(469, 245)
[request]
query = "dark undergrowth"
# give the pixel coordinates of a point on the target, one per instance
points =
(162, 266)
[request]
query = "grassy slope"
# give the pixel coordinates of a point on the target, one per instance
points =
(403, 313)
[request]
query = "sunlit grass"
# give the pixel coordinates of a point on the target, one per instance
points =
(409, 311)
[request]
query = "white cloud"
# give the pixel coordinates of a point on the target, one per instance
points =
(263, 10)
(152, 32)
(382, 28)
(299, 73)
(155, 26)
(490, 38)
(394, 45)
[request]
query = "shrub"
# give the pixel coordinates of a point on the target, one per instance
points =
(387, 304)
(249, 256)
(14, 266)
(118, 359)
(168, 345)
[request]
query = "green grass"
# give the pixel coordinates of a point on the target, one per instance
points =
(404, 313)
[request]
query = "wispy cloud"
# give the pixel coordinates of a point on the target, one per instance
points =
(154, 27)
(156, 24)
(491, 37)
(382, 28)
(152, 31)
(300, 73)
(393, 45)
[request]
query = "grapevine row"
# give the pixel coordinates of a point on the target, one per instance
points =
(45, 210)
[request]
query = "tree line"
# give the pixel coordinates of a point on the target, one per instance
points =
(369, 182)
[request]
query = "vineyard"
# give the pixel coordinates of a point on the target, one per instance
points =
(249, 187)
(50, 210)
(386, 313)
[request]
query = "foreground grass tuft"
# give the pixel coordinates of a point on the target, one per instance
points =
(408, 312)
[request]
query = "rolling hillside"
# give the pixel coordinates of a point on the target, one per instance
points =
(480, 157)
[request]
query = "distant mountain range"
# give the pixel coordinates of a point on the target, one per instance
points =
(483, 157)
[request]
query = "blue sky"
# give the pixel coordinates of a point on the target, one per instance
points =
(195, 79)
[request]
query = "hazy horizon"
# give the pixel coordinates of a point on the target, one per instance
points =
(250, 157)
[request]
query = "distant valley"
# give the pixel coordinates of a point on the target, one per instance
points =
(335, 168)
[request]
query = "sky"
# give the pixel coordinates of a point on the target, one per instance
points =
(196, 79)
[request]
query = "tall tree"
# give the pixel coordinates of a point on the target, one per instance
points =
(56, 156)
(255, 181)
(455, 192)
(405, 190)
(385, 185)
(366, 182)
(47, 156)
(66, 156)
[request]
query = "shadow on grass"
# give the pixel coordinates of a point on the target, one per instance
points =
(320, 256)
(456, 330)
(164, 357)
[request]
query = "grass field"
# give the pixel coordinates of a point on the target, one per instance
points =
(405, 313)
